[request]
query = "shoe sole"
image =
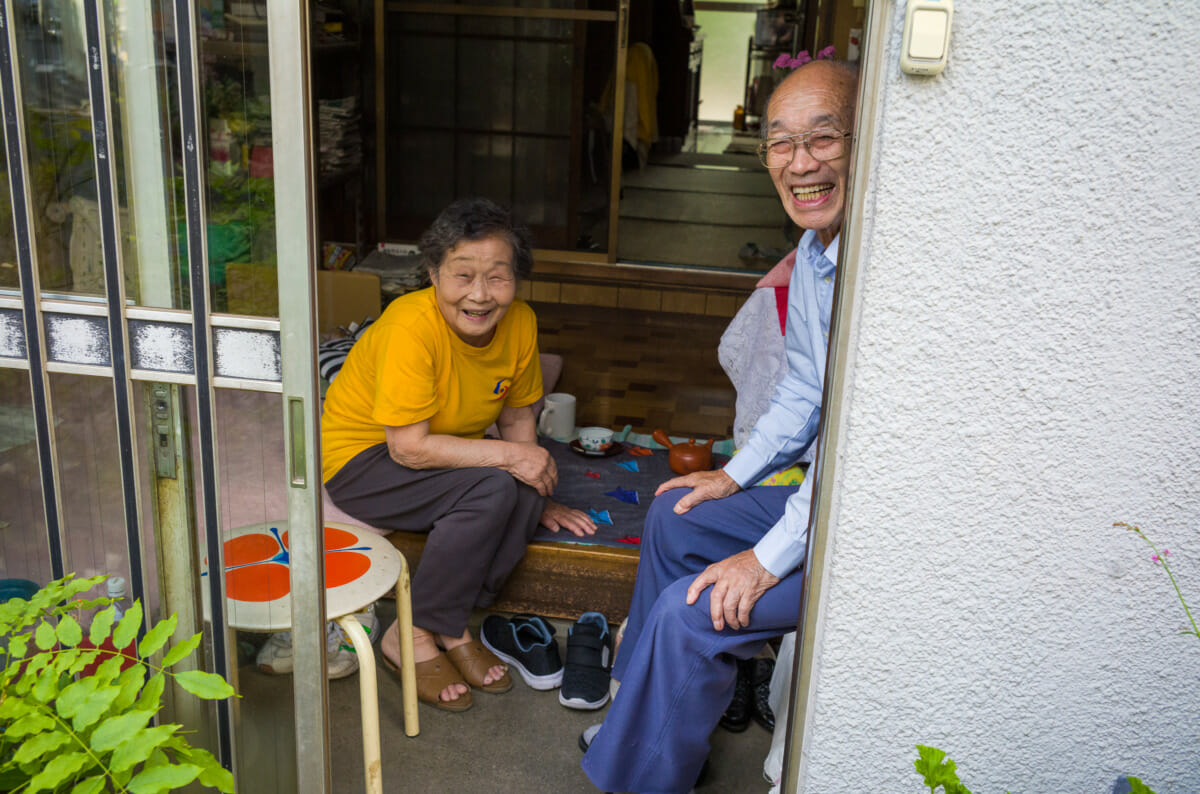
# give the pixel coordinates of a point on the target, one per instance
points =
(539, 682)
(330, 676)
(581, 704)
(734, 727)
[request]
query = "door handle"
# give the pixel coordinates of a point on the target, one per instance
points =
(296, 459)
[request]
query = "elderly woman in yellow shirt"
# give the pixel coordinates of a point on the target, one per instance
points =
(402, 438)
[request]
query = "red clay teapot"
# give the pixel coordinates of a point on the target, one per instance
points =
(686, 458)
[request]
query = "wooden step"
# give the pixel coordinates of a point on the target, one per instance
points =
(556, 580)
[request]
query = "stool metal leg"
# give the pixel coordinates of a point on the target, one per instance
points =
(408, 665)
(368, 693)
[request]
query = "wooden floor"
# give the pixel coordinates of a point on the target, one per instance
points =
(641, 368)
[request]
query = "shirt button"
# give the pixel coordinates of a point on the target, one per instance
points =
(828, 279)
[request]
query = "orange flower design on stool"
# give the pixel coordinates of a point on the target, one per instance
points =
(256, 565)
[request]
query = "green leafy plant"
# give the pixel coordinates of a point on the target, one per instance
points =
(938, 770)
(1159, 557)
(77, 718)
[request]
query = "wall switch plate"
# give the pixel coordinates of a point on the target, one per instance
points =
(926, 42)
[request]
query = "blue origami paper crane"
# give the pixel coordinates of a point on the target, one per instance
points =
(625, 496)
(600, 516)
(629, 465)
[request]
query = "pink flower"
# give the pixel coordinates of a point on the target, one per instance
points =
(827, 53)
(784, 62)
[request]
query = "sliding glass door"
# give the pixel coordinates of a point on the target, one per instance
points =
(150, 391)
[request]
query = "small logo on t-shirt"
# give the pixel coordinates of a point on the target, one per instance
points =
(502, 387)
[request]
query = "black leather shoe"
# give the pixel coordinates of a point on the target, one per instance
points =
(741, 707)
(760, 681)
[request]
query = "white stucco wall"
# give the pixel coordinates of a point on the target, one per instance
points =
(1026, 371)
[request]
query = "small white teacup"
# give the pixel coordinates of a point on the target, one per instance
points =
(595, 439)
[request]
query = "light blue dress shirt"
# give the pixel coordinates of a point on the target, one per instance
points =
(790, 422)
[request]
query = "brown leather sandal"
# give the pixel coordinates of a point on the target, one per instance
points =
(473, 660)
(434, 675)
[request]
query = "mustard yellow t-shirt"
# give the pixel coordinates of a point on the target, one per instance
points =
(410, 366)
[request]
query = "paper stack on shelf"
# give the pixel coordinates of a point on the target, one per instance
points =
(397, 274)
(341, 145)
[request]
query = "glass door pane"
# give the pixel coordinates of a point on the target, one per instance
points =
(149, 462)
(23, 550)
(58, 130)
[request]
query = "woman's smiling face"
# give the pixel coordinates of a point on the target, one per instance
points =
(474, 286)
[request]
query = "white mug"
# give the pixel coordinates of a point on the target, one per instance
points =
(558, 416)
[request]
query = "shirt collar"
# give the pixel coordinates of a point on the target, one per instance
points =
(822, 259)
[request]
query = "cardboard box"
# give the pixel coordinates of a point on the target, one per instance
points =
(344, 297)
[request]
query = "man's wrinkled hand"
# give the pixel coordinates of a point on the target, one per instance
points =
(557, 516)
(533, 466)
(737, 584)
(705, 485)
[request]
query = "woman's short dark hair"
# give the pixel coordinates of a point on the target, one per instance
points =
(474, 219)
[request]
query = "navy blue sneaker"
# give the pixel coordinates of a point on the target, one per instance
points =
(589, 659)
(527, 643)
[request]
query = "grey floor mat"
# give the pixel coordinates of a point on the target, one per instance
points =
(583, 492)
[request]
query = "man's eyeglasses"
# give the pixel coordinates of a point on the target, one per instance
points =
(820, 144)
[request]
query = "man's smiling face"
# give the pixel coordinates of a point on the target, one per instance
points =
(818, 96)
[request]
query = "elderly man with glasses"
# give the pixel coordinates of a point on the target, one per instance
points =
(722, 560)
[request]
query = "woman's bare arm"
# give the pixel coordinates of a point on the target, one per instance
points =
(414, 447)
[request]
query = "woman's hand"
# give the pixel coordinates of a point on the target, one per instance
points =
(533, 466)
(556, 516)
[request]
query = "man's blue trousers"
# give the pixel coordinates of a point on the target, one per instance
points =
(677, 673)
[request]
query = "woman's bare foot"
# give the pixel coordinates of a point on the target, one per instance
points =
(424, 648)
(494, 673)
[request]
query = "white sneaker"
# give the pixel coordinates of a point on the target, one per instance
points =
(275, 657)
(370, 624)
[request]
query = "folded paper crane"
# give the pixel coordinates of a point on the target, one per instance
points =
(624, 495)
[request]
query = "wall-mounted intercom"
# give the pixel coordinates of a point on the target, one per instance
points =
(926, 36)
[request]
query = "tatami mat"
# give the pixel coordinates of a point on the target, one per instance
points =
(744, 162)
(701, 180)
(698, 244)
(661, 205)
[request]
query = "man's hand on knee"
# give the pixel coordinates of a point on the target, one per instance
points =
(737, 584)
(705, 485)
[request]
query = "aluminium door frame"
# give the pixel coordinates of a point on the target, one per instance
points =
(193, 338)
(832, 428)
